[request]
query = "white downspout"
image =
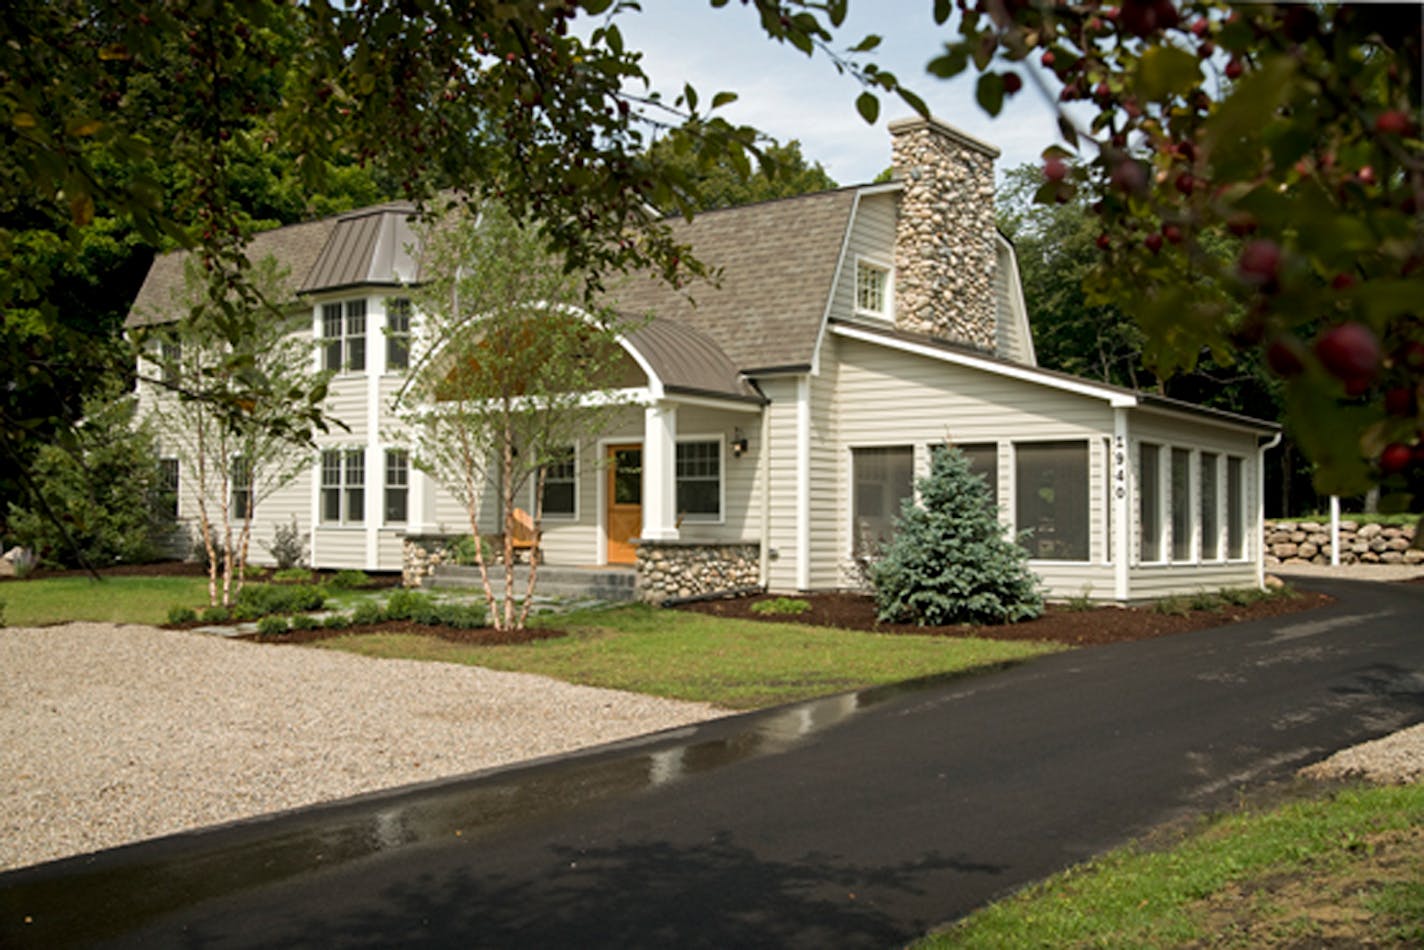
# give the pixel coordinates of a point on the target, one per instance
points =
(1260, 525)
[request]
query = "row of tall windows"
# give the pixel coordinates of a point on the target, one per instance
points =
(1051, 498)
(343, 335)
(343, 486)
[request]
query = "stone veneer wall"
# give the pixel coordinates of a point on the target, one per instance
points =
(668, 569)
(1308, 542)
(421, 554)
(944, 236)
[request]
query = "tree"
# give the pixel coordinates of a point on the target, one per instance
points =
(509, 371)
(782, 172)
(949, 561)
(230, 464)
(1293, 128)
(103, 503)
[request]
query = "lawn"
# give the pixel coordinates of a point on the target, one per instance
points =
(733, 663)
(46, 600)
(1335, 869)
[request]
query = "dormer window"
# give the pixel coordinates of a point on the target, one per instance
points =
(872, 289)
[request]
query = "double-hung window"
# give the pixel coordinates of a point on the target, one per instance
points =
(561, 486)
(398, 334)
(343, 336)
(881, 479)
(343, 486)
(699, 480)
(241, 480)
(397, 486)
(168, 485)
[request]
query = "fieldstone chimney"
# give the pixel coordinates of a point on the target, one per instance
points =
(944, 238)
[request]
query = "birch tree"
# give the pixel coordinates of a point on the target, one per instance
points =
(509, 370)
(230, 463)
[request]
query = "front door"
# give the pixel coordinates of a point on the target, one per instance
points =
(625, 501)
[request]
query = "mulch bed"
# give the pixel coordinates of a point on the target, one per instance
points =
(1099, 625)
(480, 636)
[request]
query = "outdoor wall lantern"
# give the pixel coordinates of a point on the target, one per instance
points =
(739, 443)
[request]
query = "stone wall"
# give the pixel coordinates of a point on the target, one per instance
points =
(421, 554)
(1308, 542)
(944, 237)
(669, 569)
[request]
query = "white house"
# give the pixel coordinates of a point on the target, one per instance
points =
(781, 417)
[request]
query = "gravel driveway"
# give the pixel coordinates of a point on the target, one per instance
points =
(110, 734)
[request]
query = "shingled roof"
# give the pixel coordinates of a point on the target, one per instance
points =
(778, 262)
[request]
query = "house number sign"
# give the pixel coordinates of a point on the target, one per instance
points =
(1119, 467)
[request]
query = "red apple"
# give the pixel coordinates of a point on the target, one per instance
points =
(1399, 401)
(1104, 242)
(1172, 233)
(1055, 169)
(1349, 352)
(1284, 357)
(1012, 83)
(1342, 281)
(1047, 59)
(1260, 263)
(1186, 182)
(1395, 458)
(1393, 122)
(1234, 69)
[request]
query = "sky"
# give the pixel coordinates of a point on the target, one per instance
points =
(788, 96)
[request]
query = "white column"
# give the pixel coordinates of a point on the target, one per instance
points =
(1334, 530)
(803, 482)
(375, 456)
(1120, 491)
(660, 472)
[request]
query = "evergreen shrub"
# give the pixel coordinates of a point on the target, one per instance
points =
(272, 626)
(182, 615)
(368, 612)
(348, 580)
(280, 599)
(950, 561)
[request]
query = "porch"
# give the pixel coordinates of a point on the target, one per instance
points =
(596, 582)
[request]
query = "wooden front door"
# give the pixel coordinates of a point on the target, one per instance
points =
(625, 501)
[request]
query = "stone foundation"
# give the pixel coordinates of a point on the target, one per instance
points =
(1308, 542)
(421, 554)
(669, 569)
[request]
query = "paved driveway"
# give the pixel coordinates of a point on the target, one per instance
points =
(854, 821)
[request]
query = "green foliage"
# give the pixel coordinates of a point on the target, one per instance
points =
(181, 615)
(336, 622)
(409, 605)
(102, 498)
(304, 622)
(272, 598)
(782, 606)
(460, 616)
(292, 575)
(367, 612)
(949, 561)
(289, 546)
(348, 580)
(462, 550)
(715, 182)
(272, 625)
(1174, 606)
(215, 615)
(1081, 602)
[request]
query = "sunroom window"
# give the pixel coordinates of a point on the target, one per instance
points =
(1051, 488)
(1181, 505)
(1149, 501)
(882, 479)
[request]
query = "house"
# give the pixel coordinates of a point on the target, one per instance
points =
(779, 419)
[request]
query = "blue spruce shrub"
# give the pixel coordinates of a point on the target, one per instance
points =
(950, 561)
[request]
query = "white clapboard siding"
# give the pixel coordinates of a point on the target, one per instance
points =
(782, 530)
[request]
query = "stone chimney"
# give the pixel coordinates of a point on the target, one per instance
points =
(944, 237)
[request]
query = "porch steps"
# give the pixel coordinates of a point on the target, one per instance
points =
(597, 583)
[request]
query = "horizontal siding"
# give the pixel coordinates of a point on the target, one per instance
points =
(1061, 580)
(782, 530)
(341, 548)
(1012, 321)
(872, 236)
(828, 549)
(1166, 580)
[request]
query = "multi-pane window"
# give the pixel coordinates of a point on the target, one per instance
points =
(1210, 520)
(699, 480)
(343, 486)
(397, 486)
(170, 356)
(1235, 510)
(872, 282)
(343, 335)
(1181, 505)
(168, 485)
(881, 478)
(241, 479)
(561, 485)
(398, 334)
(1149, 501)
(1051, 498)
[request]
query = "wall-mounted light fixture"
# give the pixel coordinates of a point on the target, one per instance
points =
(739, 443)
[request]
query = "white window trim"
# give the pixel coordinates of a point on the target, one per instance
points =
(578, 490)
(345, 524)
(920, 456)
(1087, 440)
(386, 485)
(721, 441)
(386, 368)
(1164, 488)
(887, 312)
(1220, 513)
(1243, 496)
(374, 310)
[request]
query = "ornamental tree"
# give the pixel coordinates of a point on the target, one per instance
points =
(949, 561)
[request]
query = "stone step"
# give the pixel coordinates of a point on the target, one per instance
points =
(604, 583)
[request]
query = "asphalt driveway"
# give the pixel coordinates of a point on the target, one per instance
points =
(859, 820)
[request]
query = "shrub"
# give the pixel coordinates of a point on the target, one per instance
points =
(277, 599)
(460, 616)
(347, 580)
(1081, 602)
(305, 622)
(462, 550)
(1204, 600)
(200, 552)
(336, 622)
(949, 561)
(409, 605)
(247, 612)
(273, 626)
(182, 615)
(1173, 606)
(782, 606)
(215, 615)
(367, 612)
(291, 575)
(289, 545)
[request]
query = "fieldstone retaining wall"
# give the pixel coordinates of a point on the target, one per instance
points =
(1308, 542)
(668, 569)
(421, 554)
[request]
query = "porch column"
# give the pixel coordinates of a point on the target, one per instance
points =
(1122, 488)
(660, 472)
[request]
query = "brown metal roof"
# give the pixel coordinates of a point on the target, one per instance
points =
(778, 261)
(689, 362)
(371, 246)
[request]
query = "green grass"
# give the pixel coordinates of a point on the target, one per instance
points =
(30, 603)
(1346, 865)
(737, 664)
